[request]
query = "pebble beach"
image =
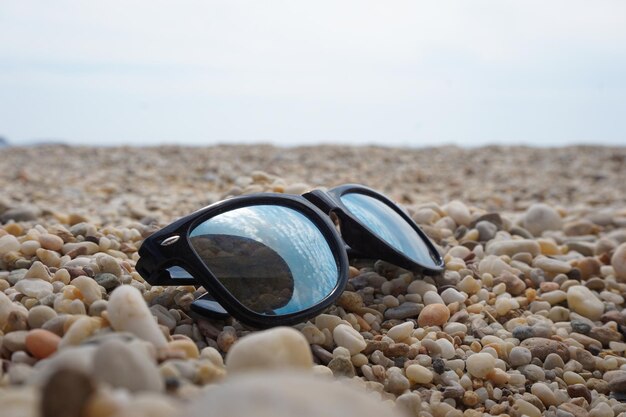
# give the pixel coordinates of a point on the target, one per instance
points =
(529, 317)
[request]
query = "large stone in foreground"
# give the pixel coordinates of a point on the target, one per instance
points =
(277, 348)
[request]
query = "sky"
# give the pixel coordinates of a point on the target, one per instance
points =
(400, 73)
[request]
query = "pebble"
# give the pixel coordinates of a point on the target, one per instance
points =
(512, 247)
(504, 305)
(34, 287)
(486, 230)
(519, 356)
(480, 364)
(8, 243)
(540, 348)
(540, 217)
(403, 311)
(419, 374)
(544, 393)
(127, 311)
(51, 242)
(618, 261)
(41, 343)
(345, 336)
(458, 212)
(450, 295)
(401, 331)
(120, 366)
(66, 393)
(277, 348)
(279, 394)
(89, 289)
(107, 280)
(433, 315)
(552, 265)
(38, 315)
(581, 300)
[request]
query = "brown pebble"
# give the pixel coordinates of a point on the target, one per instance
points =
(42, 343)
(579, 390)
(433, 315)
(65, 394)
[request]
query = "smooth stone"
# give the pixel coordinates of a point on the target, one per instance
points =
(41, 343)
(342, 367)
(451, 295)
(553, 361)
(533, 372)
(431, 297)
(446, 348)
(420, 287)
(540, 217)
(108, 265)
(51, 242)
(554, 297)
(80, 330)
(493, 265)
(504, 305)
(20, 214)
(89, 289)
(277, 348)
(346, 336)
(512, 247)
(15, 341)
(519, 356)
(120, 366)
(433, 315)
(403, 311)
(107, 280)
(127, 311)
(582, 301)
(579, 390)
(9, 243)
(480, 364)
(327, 321)
(66, 393)
(514, 285)
(544, 393)
(486, 230)
(38, 315)
(541, 348)
(618, 261)
(38, 270)
(458, 212)
(552, 265)
(285, 395)
(401, 331)
(469, 285)
(34, 287)
(419, 374)
(188, 347)
(397, 383)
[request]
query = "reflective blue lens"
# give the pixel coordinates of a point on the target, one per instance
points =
(271, 258)
(387, 224)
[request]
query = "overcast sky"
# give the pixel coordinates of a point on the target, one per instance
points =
(290, 72)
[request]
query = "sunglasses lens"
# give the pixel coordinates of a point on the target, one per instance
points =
(273, 259)
(390, 227)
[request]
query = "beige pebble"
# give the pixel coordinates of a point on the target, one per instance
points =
(618, 261)
(480, 364)
(127, 311)
(185, 345)
(345, 336)
(51, 242)
(581, 300)
(277, 348)
(89, 289)
(401, 331)
(419, 374)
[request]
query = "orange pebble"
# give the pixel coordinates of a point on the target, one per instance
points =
(42, 343)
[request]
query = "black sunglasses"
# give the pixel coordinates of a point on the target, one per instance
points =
(275, 259)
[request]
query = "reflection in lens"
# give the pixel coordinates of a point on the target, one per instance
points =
(389, 226)
(271, 258)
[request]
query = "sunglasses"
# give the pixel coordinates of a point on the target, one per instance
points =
(276, 259)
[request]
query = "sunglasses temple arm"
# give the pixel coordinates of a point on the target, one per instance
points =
(174, 275)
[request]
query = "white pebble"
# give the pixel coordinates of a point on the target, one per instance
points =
(128, 311)
(581, 300)
(480, 364)
(451, 295)
(401, 331)
(419, 374)
(344, 335)
(277, 348)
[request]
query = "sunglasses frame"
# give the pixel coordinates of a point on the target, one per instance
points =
(171, 247)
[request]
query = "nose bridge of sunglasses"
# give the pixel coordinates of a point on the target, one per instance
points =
(321, 200)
